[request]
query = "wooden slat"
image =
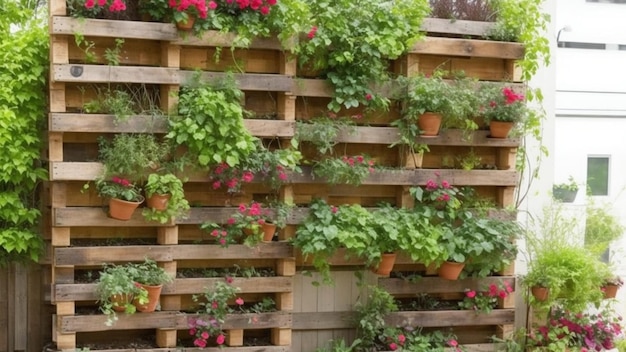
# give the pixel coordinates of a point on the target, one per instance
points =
(438, 285)
(89, 171)
(457, 27)
(107, 254)
(150, 31)
(113, 29)
(169, 320)
(246, 285)
(274, 250)
(468, 48)
(115, 74)
(88, 217)
(323, 320)
(87, 292)
(101, 123)
(451, 318)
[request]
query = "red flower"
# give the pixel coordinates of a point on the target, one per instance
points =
(265, 10)
(368, 96)
(217, 184)
(271, 2)
(90, 4)
(312, 32)
(220, 339)
(470, 294)
(212, 5)
(393, 346)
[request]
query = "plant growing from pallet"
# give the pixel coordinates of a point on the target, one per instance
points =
(170, 188)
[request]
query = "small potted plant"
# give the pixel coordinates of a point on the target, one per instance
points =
(427, 101)
(566, 191)
(502, 108)
(165, 198)
(116, 290)
(539, 281)
(152, 278)
(124, 197)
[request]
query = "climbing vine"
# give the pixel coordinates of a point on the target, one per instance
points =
(23, 72)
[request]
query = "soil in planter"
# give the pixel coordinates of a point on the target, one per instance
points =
(426, 302)
(223, 272)
(112, 242)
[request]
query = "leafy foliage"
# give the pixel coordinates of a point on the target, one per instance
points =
(210, 124)
(23, 68)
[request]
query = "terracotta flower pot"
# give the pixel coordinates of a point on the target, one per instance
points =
(500, 129)
(429, 123)
(120, 300)
(186, 26)
(121, 209)
(158, 201)
(540, 293)
(269, 230)
(610, 291)
(386, 264)
(154, 292)
(450, 270)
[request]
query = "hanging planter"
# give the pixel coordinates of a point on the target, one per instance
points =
(610, 290)
(540, 293)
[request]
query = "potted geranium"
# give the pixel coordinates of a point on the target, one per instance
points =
(165, 198)
(186, 14)
(502, 108)
(124, 197)
(116, 290)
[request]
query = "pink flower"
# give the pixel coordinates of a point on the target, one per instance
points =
(271, 2)
(282, 176)
(453, 343)
(229, 279)
(401, 339)
(502, 294)
(247, 176)
(359, 158)
(200, 343)
(214, 305)
(90, 4)
(232, 183)
(239, 301)
(334, 209)
(312, 32)
(192, 332)
(215, 233)
(445, 184)
(220, 339)
(431, 185)
(265, 10)
(368, 96)
(222, 241)
(217, 184)
(230, 221)
(204, 335)
(242, 208)
(470, 294)
(102, 2)
(212, 5)
(393, 346)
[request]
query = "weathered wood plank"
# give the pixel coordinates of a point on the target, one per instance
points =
(246, 285)
(101, 123)
(88, 217)
(115, 74)
(438, 285)
(468, 48)
(89, 171)
(107, 254)
(457, 27)
(451, 318)
(273, 250)
(113, 29)
(323, 320)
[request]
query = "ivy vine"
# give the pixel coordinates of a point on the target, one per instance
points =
(23, 72)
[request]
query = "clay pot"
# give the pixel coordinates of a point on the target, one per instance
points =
(450, 270)
(120, 300)
(188, 25)
(429, 123)
(269, 230)
(500, 129)
(158, 201)
(154, 293)
(386, 264)
(121, 209)
(610, 291)
(540, 293)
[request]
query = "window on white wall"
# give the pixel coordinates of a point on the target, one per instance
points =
(598, 175)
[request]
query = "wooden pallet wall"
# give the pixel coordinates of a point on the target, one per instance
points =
(157, 60)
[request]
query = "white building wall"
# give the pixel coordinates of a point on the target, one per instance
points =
(591, 106)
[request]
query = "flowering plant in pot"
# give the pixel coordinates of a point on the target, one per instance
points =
(351, 170)
(501, 105)
(124, 197)
(438, 199)
(165, 198)
(116, 290)
(253, 220)
(212, 312)
(186, 14)
(485, 301)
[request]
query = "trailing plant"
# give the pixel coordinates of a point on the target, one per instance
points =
(213, 308)
(322, 132)
(351, 170)
(370, 317)
(351, 42)
(602, 227)
(210, 124)
(485, 300)
(23, 71)
(118, 280)
(167, 184)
